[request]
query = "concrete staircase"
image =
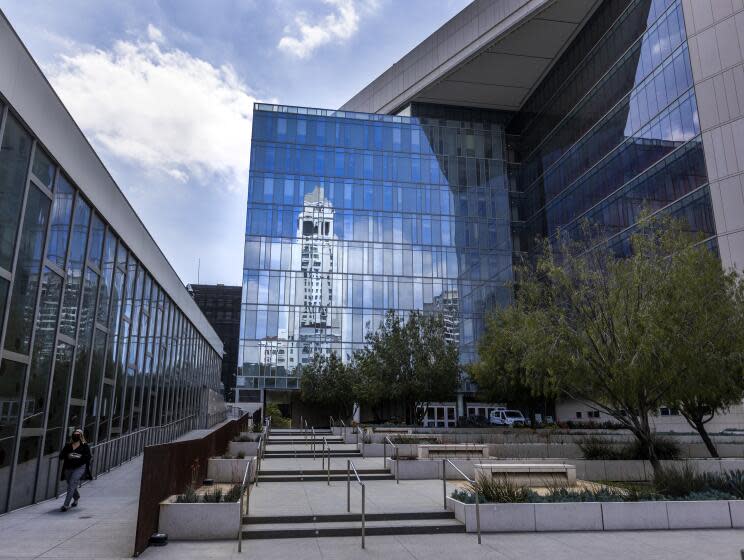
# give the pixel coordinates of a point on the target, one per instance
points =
(295, 443)
(320, 475)
(349, 525)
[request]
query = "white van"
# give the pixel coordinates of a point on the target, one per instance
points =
(505, 417)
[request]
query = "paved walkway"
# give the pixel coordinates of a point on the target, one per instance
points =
(642, 545)
(101, 527)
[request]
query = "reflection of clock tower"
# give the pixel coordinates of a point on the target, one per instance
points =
(317, 287)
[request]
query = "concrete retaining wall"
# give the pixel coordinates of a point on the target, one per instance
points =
(595, 516)
(199, 521)
(229, 470)
(618, 471)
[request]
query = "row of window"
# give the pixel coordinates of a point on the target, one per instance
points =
(293, 159)
(89, 338)
(407, 229)
(283, 190)
(479, 139)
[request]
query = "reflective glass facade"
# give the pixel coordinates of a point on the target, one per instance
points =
(613, 128)
(87, 336)
(352, 214)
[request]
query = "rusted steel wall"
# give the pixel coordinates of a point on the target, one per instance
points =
(168, 468)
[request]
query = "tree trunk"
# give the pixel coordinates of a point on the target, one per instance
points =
(643, 434)
(699, 425)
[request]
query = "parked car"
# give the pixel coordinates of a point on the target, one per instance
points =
(507, 418)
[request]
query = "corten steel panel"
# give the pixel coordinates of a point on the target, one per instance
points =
(168, 468)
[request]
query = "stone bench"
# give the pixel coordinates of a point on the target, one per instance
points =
(460, 451)
(530, 474)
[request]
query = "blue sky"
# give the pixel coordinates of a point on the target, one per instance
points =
(164, 91)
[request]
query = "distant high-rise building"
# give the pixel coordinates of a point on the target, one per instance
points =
(221, 306)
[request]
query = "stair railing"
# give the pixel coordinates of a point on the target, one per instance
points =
(477, 497)
(326, 453)
(262, 447)
(312, 442)
(245, 490)
(384, 456)
(304, 431)
(343, 429)
(349, 468)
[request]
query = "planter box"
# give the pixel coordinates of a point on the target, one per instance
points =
(376, 450)
(228, 470)
(577, 516)
(595, 516)
(634, 516)
(199, 521)
(699, 515)
(250, 448)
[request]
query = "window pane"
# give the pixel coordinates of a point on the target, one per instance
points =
(35, 403)
(96, 241)
(109, 248)
(14, 153)
(43, 167)
(61, 215)
(87, 316)
(75, 268)
(55, 436)
(96, 374)
(28, 269)
(11, 385)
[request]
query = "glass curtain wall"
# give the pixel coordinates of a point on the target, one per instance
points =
(84, 327)
(614, 129)
(351, 214)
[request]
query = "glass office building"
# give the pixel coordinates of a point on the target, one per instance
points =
(352, 214)
(587, 110)
(614, 128)
(90, 335)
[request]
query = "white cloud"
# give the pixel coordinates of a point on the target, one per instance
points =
(340, 25)
(160, 108)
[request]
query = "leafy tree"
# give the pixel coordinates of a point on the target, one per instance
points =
(410, 362)
(600, 328)
(329, 383)
(499, 372)
(702, 322)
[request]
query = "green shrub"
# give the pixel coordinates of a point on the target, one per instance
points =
(599, 448)
(708, 494)
(666, 450)
(499, 489)
(403, 439)
(677, 482)
(233, 495)
(277, 420)
(730, 482)
(212, 496)
(189, 496)
(241, 455)
(257, 428)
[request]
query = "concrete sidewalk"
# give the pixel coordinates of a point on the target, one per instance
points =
(101, 527)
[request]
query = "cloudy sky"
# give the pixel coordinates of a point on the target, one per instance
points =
(164, 91)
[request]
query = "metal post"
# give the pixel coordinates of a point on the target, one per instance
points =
(477, 515)
(329, 466)
(384, 453)
(348, 486)
(397, 466)
(363, 516)
(444, 484)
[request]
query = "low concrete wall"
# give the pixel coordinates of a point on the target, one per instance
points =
(229, 470)
(250, 448)
(376, 450)
(199, 521)
(617, 471)
(595, 516)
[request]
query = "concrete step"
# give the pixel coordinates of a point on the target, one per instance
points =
(331, 518)
(287, 454)
(321, 471)
(296, 432)
(320, 477)
(351, 528)
(309, 441)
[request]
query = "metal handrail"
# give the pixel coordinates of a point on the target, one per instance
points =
(327, 450)
(243, 488)
(477, 498)
(304, 430)
(349, 467)
(312, 442)
(343, 425)
(262, 447)
(358, 432)
(384, 456)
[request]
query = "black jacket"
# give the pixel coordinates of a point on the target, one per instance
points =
(74, 458)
